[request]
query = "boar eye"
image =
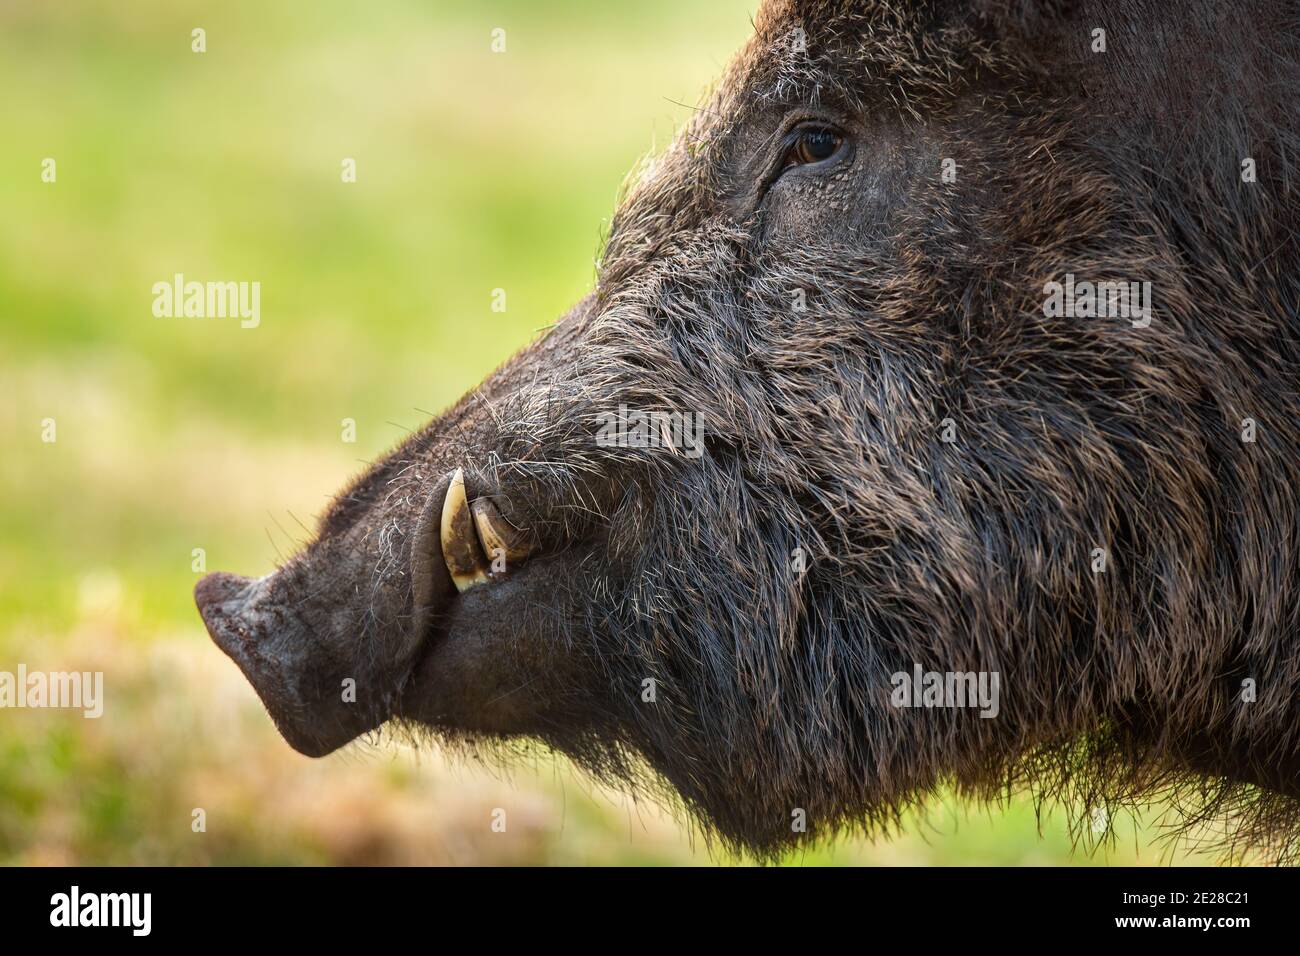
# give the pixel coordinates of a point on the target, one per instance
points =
(812, 144)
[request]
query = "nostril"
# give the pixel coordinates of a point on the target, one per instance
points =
(217, 588)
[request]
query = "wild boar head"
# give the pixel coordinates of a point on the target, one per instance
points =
(819, 424)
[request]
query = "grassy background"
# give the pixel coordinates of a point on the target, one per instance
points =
(475, 171)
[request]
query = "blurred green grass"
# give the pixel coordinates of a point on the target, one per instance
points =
(475, 172)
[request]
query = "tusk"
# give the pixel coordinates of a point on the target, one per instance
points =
(460, 547)
(501, 540)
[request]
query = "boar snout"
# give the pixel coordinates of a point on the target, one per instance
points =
(319, 694)
(330, 640)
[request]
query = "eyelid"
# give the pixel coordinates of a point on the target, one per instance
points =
(787, 141)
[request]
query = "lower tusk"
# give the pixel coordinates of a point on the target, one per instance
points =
(503, 543)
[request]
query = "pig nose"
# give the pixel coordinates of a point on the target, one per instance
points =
(224, 604)
(219, 588)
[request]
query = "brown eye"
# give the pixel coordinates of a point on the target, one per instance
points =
(815, 144)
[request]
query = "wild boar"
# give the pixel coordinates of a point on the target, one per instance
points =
(911, 456)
